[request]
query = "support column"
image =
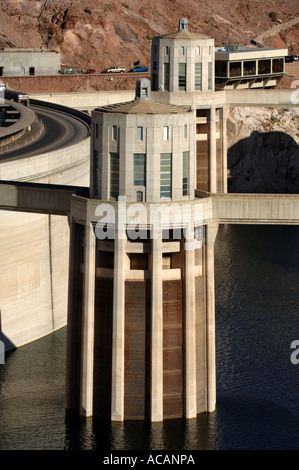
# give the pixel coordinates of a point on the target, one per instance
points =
(86, 395)
(118, 329)
(73, 330)
(224, 149)
(157, 330)
(212, 152)
(190, 335)
(211, 232)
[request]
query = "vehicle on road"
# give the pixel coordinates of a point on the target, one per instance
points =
(88, 71)
(139, 68)
(115, 70)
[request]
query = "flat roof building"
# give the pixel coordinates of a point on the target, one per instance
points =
(20, 62)
(248, 67)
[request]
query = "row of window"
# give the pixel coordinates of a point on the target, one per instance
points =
(140, 132)
(250, 67)
(182, 76)
(140, 173)
(182, 50)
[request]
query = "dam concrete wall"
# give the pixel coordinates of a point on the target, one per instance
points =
(34, 249)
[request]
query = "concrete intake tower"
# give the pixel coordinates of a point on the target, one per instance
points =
(141, 319)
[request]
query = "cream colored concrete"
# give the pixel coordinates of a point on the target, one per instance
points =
(87, 354)
(211, 232)
(190, 335)
(118, 330)
(34, 249)
(85, 100)
(157, 332)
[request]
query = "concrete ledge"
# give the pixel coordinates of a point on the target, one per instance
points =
(27, 117)
(259, 209)
(38, 198)
(262, 97)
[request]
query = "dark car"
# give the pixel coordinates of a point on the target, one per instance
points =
(139, 68)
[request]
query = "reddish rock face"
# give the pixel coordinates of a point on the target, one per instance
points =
(94, 34)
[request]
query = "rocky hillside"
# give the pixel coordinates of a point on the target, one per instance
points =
(99, 33)
(266, 155)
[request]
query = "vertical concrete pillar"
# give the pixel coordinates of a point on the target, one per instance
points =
(86, 395)
(118, 329)
(224, 149)
(211, 232)
(71, 380)
(190, 335)
(212, 153)
(157, 330)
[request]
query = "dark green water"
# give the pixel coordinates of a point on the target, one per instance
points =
(257, 306)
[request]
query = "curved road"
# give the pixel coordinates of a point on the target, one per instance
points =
(60, 130)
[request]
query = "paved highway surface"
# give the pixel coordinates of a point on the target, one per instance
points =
(60, 130)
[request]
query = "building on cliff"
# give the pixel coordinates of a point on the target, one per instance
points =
(20, 62)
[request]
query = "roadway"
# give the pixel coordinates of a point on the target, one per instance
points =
(61, 130)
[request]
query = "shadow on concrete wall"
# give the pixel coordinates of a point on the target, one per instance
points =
(264, 163)
(8, 345)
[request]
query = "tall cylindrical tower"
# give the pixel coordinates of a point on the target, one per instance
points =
(141, 271)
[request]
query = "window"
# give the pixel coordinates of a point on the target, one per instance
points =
(139, 133)
(277, 65)
(185, 172)
(185, 131)
(197, 76)
(31, 71)
(198, 50)
(235, 69)
(165, 174)
(165, 132)
(166, 50)
(220, 68)
(166, 77)
(183, 50)
(139, 196)
(249, 67)
(210, 76)
(139, 169)
(114, 132)
(114, 175)
(97, 131)
(182, 77)
(144, 92)
(264, 66)
(155, 50)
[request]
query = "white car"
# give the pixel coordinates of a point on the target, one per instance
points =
(116, 70)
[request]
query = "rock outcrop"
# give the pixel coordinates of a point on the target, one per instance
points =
(263, 150)
(99, 33)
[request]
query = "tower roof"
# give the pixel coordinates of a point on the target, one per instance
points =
(184, 35)
(143, 107)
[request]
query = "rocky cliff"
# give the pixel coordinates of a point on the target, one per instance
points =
(263, 150)
(99, 33)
